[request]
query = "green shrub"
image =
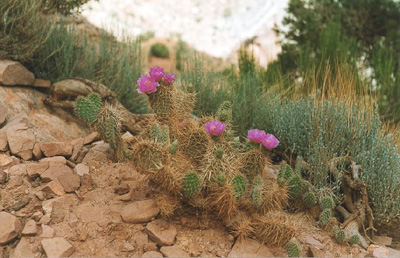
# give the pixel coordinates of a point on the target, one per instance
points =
(159, 50)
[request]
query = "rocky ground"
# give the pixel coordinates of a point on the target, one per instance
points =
(62, 195)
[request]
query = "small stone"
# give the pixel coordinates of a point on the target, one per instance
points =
(42, 83)
(173, 251)
(121, 189)
(78, 145)
(51, 149)
(161, 232)
(71, 88)
(141, 239)
(14, 73)
(140, 211)
(55, 170)
(36, 169)
(57, 247)
(312, 241)
(21, 140)
(6, 161)
(45, 219)
(81, 169)
(36, 216)
(10, 227)
(36, 152)
(127, 137)
(190, 222)
(21, 203)
(382, 240)
(3, 140)
(52, 189)
(152, 254)
(87, 182)
(3, 115)
(40, 195)
(127, 247)
(3, 177)
(377, 251)
(30, 228)
(23, 249)
(17, 170)
(151, 246)
(95, 136)
(47, 231)
(56, 159)
(314, 251)
(70, 182)
(249, 248)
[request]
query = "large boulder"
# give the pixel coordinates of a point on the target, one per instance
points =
(14, 73)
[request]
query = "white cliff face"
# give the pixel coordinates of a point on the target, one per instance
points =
(216, 27)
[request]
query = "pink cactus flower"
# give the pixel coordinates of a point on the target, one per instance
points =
(215, 127)
(169, 78)
(256, 135)
(147, 84)
(269, 141)
(156, 73)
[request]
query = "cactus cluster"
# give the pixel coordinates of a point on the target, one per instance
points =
(88, 108)
(325, 217)
(327, 203)
(191, 184)
(354, 240)
(295, 186)
(339, 234)
(309, 199)
(239, 186)
(293, 249)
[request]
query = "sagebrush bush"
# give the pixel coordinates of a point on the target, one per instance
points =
(159, 50)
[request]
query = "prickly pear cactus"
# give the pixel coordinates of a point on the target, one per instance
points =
(191, 184)
(174, 147)
(293, 249)
(325, 216)
(239, 186)
(256, 192)
(155, 132)
(165, 135)
(108, 125)
(340, 236)
(295, 187)
(354, 240)
(327, 203)
(309, 199)
(88, 108)
(299, 164)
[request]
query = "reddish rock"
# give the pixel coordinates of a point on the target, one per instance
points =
(30, 228)
(100, 152)
(56, 159)
(3, 177)
(52, 189)
(42, 83)
(249, 248)
(3, 141)
(3, 115)
(141, 239)
(314, 251)
(10, 227)
(47, 231)
(70, 182)
(55, 170)
(90, 213)
(36, 169)
(161, 232)
(121, 189)
(173, 251)
(23, 249)
(71, 88)
(36, 152)
(382, 240)
(377, 251)
(152, 254)
(21, 141)
(51, 149)
(127, 247)
(14, 73)
(17, 170)
(140, 211)
(6, 161)
(95, 136)
(57, 247)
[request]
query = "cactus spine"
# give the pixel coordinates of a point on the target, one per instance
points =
(340, 236)
(256, 192)
(327, 203)
(239, 186)
(325, 217)
(354, 240)
(191, 184)
(88, 108)
(309, 199)
(295, 186)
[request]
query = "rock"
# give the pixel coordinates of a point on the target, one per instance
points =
(17, 170)
(190, 222)
(53, 160)
(161, 232)
(36, 152)
(23, 249)
(52, 189)
(121, 189)
(3, 177)
(42, 83)
(47, 231)
(14, 73)
(314, 251)
(127, 137)
(81, 169)
(393, 252)
(70, 88)
(70, 182)
(10, 227)
(87, 182)
(55, 170)
(141, 239)
(36, 169)
(45, 220)
(312, 241)
(152, 254)
(89, 213)
(57, 247)
(58, 208)
(95, 136)
(249, 248)
(377, 251)
(30, 228)
(3, 114)
(127, 247)
(100, 152)
(36, 216)
(20, 203)
(6, 161)
(140, 211)
(382, 240)
(3, 140)
(21, 140)
(51, 149)
(173, 251)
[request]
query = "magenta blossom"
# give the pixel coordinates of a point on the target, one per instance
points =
(215, 127)
(147, 84)
(256, 135)
(156, 73)
(269, 141)
(169, 78)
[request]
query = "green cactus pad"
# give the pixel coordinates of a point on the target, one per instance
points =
(219, 152)
(165, 135)
(327, 203)
(309, 199)
(340, 236)
(239, 186)
(293, 249)
(295, 187)
(191, 184)
(354, 240)
(155, 132)
(174, 147)
(256, 192)
(299, 164)
(88, 108)
(325, 217)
